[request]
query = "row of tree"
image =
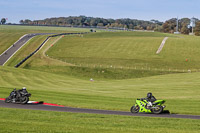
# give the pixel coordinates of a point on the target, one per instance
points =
(101, 22)
(3, 21)
(183, 25)
(197, 29)
(168, 26)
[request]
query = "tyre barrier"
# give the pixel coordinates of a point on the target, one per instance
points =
(26, 58)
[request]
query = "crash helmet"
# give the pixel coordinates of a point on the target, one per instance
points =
(149, 95)
(24, 88)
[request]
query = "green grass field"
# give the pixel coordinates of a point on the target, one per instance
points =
(131, 49)
(124, 67)
(47, 122)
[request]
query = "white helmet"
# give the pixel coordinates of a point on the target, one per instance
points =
(24, 88)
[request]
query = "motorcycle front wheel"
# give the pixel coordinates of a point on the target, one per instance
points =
(135, 109)
(158, 109)
(24, 100)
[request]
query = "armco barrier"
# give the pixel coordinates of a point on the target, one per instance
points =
(26, 58)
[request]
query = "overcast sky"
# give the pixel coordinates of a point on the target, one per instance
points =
(162, 10)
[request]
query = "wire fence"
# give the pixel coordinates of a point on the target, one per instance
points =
(130, 67)
(178, 70)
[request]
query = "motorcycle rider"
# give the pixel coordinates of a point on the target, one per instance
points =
(150, 99)
(23, 91)
(18, 96)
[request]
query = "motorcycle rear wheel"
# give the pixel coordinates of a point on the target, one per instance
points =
(7, 100)
(135, 109)
(158, 110)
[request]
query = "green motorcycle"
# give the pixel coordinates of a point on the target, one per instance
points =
(143, 106)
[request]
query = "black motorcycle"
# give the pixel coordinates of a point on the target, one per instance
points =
(18, 97)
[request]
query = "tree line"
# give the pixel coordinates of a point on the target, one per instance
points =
(168, 26)
(125, 23)
(3, 21)
(184, 26)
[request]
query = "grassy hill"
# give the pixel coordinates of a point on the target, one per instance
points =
(130, 49)
(77, 58)
(116, 55)
(9, 34)
(124, 67)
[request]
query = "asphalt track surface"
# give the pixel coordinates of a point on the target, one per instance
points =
(91, 111)
(6, 55)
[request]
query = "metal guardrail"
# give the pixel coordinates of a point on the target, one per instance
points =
(26, 58)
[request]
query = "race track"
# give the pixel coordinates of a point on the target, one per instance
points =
(93, 111)
(6, 55)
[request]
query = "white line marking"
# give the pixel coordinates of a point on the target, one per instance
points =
(161, 45)
(22, 37)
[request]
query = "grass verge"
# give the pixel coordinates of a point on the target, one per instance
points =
(46, 122)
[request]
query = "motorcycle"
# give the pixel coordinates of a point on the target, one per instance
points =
(142, 105)
(18, 97)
